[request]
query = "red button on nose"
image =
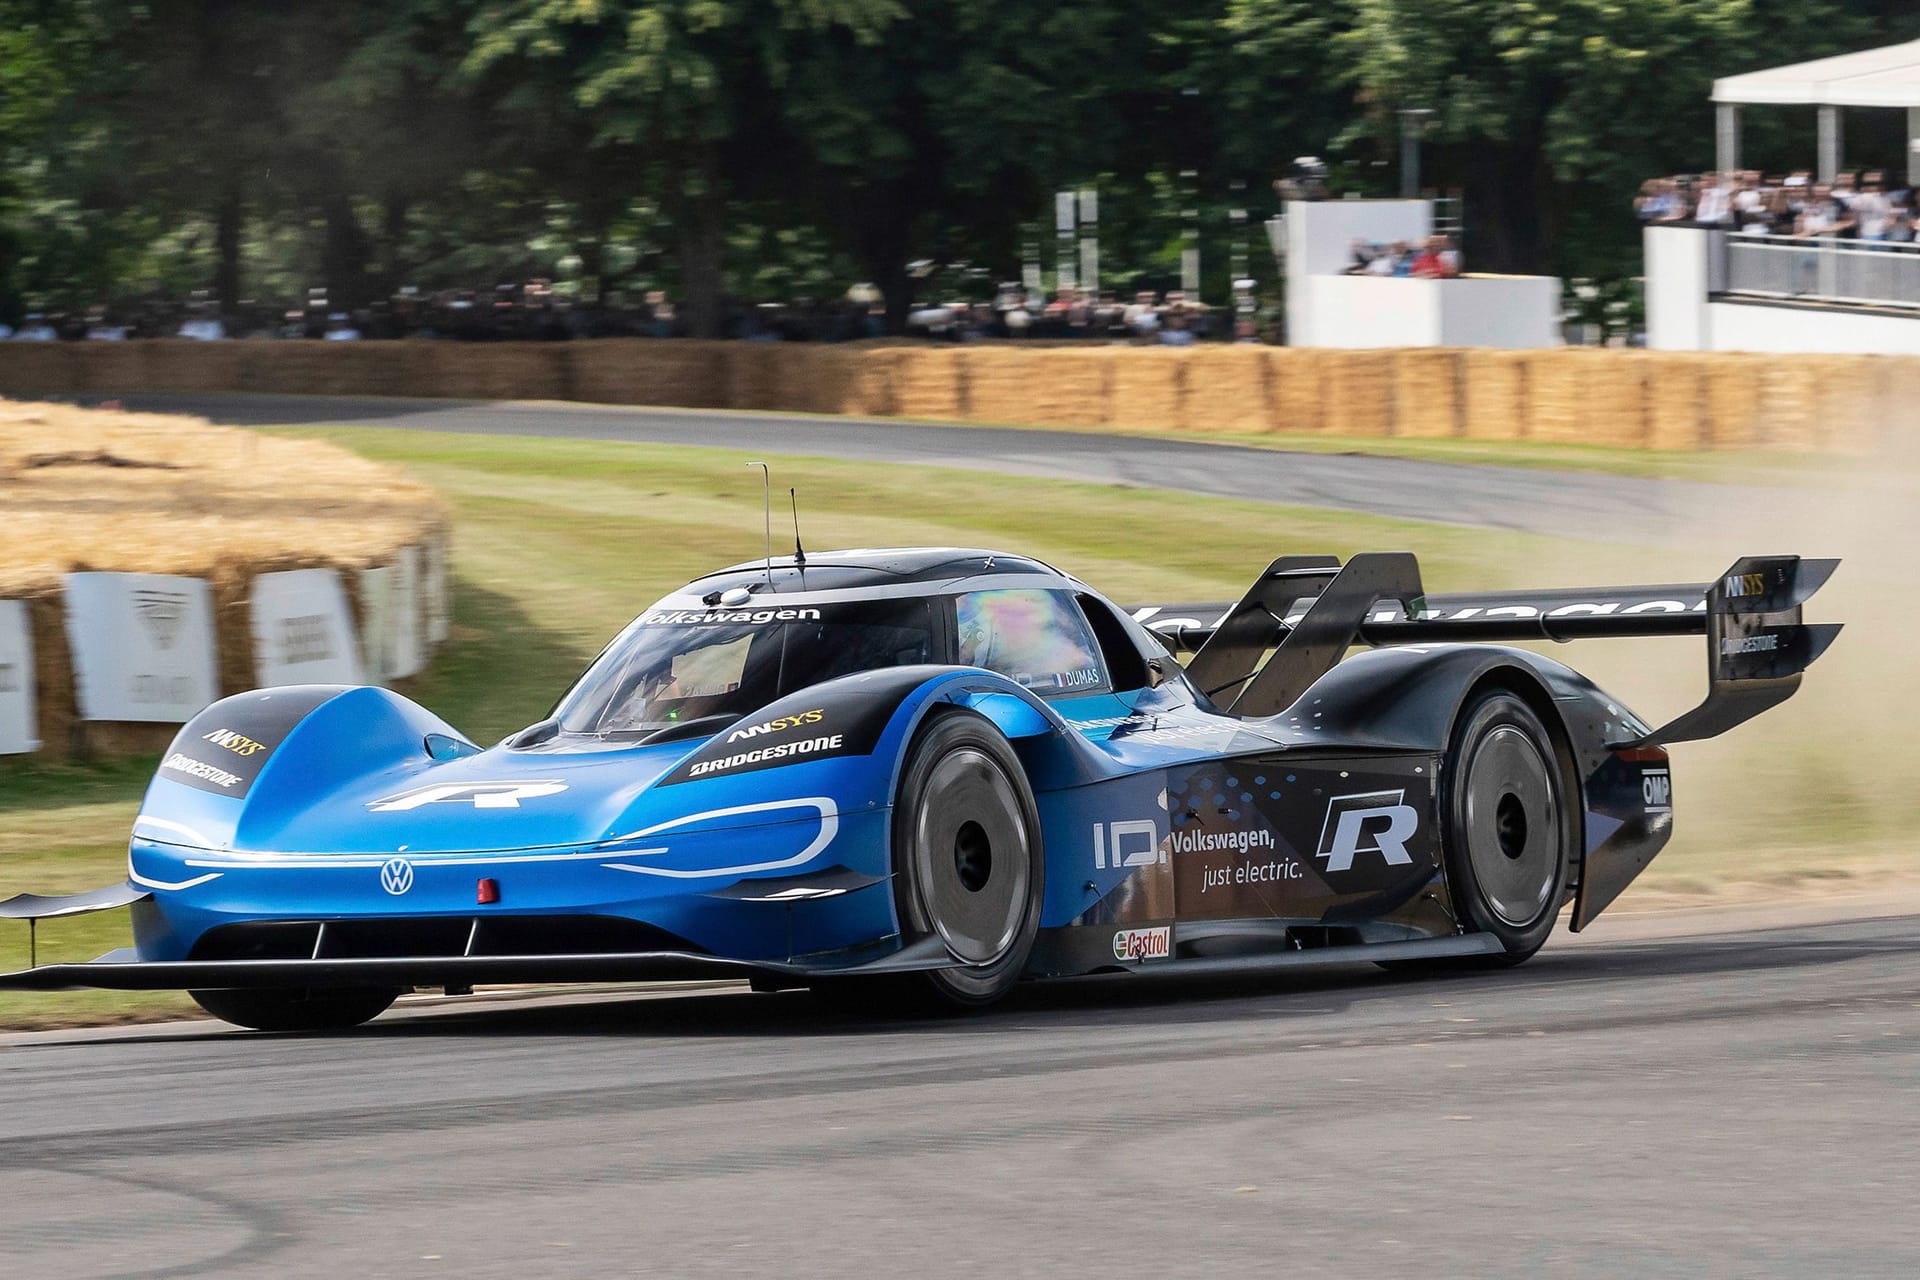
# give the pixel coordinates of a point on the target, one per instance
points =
(489, 891)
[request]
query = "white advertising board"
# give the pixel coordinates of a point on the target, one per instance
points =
(390, 618)
(302, 629)
(409, 613)
(376, 623)
(439, 594)
(142, 646)
(16, 680)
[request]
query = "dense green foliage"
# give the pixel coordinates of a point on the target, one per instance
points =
(772, 147)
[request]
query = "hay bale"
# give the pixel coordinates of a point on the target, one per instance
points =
(1057, 387)
(1297, 389)
(27, 368)
(687, 373)
(181, 364)
(56, 697)
(931, 382)
(1787, 417)
(231, 587)
(1891, 430)
(1149, 387)
(1677, 400)
(811, 378)
(873, 381)
(1614, 397)
(109, 367)
(1427, 400)
(1227, 390)
(491, 370)
(1360, 393)
(1587, 396)
(1733, 399)
(750, 375)
(1494, 394)
(1556, 395)
(186, 498)
(334, 368)
(1850, 395)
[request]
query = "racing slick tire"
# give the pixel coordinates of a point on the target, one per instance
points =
(296, 1009)
(967, 868)
(1509, 824)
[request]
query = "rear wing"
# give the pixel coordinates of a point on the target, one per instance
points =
(1256, 656)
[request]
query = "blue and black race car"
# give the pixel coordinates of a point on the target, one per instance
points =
(937, 772)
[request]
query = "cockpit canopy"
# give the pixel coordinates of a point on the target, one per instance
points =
(675, 666)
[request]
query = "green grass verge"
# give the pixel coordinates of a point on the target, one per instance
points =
(558, 543)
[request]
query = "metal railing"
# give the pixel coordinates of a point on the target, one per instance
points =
(1824, 269)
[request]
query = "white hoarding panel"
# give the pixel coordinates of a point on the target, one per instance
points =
(376, 623)
(142, 646)
(391, 618)
(17, 721)
(439, 594)
(409, 613)
(302, 629)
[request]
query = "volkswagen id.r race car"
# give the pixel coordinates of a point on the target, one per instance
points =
(937, 772)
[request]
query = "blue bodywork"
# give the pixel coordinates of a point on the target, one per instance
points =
(350, 825)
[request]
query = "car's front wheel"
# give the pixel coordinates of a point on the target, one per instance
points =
(967, 868)
(296, 1009)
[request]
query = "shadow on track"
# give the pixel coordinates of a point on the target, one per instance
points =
(1125, 1001)
(1145, 1000)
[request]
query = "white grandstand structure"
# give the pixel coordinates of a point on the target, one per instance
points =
(1710, 290)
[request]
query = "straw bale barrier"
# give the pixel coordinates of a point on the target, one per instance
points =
(1227, 389)
(1630, 399)
(1426, 394)
(102, 490)
(933, 383)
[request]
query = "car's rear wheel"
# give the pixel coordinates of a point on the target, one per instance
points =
(296, 1009)
(1509, 824)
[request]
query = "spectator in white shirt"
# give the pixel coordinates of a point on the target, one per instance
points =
(1716, 201)
(1872, 210)
(1824, 216)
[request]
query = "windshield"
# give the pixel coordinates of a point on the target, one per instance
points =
(676, 666)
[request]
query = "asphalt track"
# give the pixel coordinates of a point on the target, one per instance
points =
(1731, 1105)
(1711, 1104)
(1571, 504)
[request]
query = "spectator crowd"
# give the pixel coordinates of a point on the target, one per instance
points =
(1437, 259)
(1169, 319)
(535, 311)
(1857, 205)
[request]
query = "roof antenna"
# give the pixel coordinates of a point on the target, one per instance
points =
(799, 552)
(766, 486)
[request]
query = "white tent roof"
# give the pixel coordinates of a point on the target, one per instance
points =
(1885, 77)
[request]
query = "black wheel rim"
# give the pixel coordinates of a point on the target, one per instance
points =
(970, 856)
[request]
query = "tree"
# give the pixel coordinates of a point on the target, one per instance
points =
(664, 100)
(1541, 103)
